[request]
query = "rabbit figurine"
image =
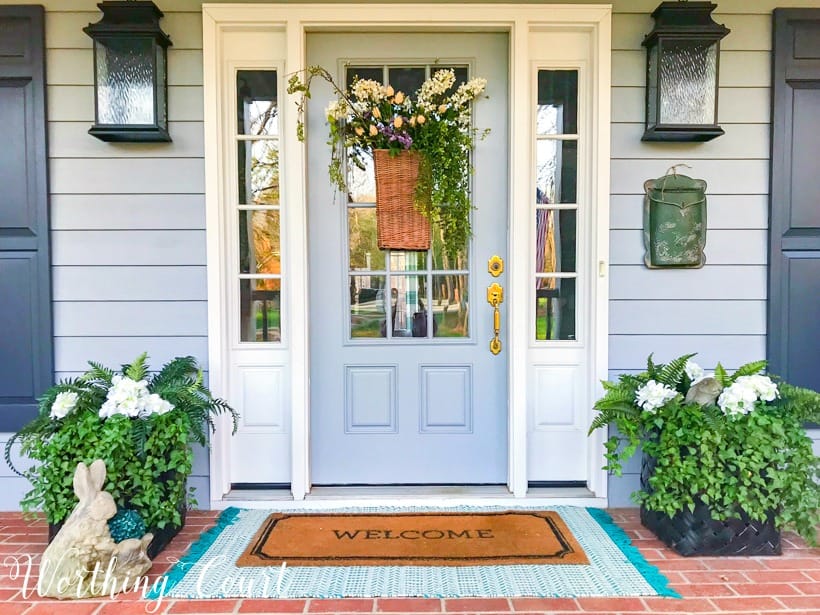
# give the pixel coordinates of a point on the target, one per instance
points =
(83, 560)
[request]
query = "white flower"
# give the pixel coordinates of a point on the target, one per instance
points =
(694, 371)
(336, 110)
(434, 88)
(654, 395)
(131, 398)
(763, 385)
(154, 404)
(466, 92)
(744, 393)
(368, 90)
(64, 403)
(739, 398)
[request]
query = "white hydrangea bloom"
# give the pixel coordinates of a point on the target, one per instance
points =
(694, 371)
(653, 395)
(739, 398)
(64, 404)
(131, 398)
(763, 385)
(154, 404)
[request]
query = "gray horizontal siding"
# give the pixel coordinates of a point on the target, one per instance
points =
(725, 211)
(98, 247)
(129, 283)
(80, 212)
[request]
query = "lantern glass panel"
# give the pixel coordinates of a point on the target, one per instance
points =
(652, 87)
(688, 82)
(125, 81)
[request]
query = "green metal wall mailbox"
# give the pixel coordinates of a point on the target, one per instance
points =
(674, 221)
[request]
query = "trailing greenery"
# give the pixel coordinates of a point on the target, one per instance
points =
(141, 425)
(435, 122)
(740, 444)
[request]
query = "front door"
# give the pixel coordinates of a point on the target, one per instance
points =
(404, 388)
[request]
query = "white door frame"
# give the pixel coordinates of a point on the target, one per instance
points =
(525, 25)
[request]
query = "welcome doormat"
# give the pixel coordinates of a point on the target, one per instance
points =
(614, 567)
(413, 539)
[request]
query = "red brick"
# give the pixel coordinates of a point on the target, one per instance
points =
(765, 589)
(15, 608)
(545, 604)
(812, 574)
(203, 606)
(745, 604)
(344, 605)
(793, 563)
(710, 590)
(732, 563)
(801, 602)
(671, 605)
(631, 605)
(272, 606)
(409, 605)
(718, 577)
(807, 588)
(131, 607)
(474, 605)
(777, 576)
(681, 565)
(63, 607)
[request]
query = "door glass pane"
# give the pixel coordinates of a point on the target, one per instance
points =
(450, 306)
(365, 254)
(259, 241)
(376, 73)
(557, 110)
(555, 240)
(260, 313)
(257, 111)
(408, 300)
(556, 169)
(367, 306)
(443, 261)
(258, 164)
(555, 309)
(361, 182)
(406, 80)
(407, 261)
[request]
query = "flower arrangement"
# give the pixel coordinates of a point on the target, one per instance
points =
(436, 123)
(734, 442)
(141, 425)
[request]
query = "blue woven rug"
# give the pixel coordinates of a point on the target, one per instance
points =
(616, 568)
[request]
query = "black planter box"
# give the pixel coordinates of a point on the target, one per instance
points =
(697, 533)
(161, 537)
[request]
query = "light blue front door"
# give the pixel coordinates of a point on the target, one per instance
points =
(404, 388)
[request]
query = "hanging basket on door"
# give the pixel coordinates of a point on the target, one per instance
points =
(400, 225)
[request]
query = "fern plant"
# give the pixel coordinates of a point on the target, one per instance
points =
(142, 425)
(731, 441)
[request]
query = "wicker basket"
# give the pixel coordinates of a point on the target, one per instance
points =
(697, 533)
(400, 225)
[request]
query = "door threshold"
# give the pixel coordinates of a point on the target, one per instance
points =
(426, 496)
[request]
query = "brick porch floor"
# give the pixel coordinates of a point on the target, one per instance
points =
(748, 586)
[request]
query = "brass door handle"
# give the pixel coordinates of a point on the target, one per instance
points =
(495, 297)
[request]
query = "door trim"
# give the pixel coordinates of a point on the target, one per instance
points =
(519, 21)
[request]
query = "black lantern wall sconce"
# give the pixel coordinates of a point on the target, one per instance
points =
(130, 73)
(682, 62)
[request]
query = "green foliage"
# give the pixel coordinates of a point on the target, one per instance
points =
(148, 459)
(760, 461)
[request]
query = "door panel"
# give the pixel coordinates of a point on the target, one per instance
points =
(25, 283)
(794, 258)
(404, 389)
